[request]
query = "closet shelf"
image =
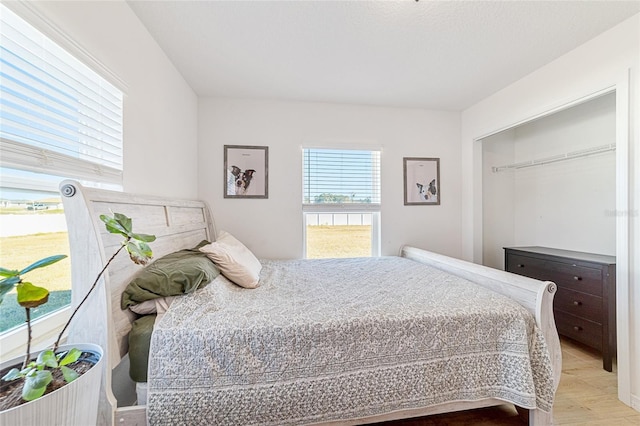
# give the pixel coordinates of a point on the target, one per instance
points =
(556, 158)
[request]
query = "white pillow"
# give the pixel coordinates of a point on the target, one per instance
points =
(154, 306)
(236, 262)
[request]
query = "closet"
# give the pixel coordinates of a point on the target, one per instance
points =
(551, 183)
(549, 212)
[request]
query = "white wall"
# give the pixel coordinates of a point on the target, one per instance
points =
(160, 109)
(568, 204)
(274, 227)
(610, 60)
(498, 206)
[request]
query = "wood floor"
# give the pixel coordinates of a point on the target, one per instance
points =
(587, 395)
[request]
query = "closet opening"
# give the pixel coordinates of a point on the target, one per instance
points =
(548, 193)
(552, 182)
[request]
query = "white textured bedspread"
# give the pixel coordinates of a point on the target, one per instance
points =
(324, 340)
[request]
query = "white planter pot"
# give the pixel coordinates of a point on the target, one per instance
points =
(76, 403)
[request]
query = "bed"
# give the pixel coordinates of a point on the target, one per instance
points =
(369, 362)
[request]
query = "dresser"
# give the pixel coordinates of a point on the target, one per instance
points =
(585, 303)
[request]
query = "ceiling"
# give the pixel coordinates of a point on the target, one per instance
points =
(444, 55)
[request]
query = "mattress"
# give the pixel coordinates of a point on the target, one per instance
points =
(341, 339)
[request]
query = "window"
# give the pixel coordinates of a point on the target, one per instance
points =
(341, 202)
(58, 119)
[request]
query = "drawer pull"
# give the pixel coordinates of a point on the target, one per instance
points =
(577, 328)
(577, 303)
(577, 278)
(520, 265)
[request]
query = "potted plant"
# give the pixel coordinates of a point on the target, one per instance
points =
(49, 383)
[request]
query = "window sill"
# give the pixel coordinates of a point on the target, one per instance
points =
(44, 331)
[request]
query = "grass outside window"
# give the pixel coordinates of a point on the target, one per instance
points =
(24, 249)
(324, 241)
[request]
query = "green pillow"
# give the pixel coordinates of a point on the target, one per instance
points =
(177, 273)
(139, 343)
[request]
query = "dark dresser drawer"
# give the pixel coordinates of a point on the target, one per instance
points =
(585, 304)
(579, 304)
(580, 329)
(576, 277)
(526, 265)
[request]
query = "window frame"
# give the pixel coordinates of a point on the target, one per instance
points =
(345, 208)
(46, 328)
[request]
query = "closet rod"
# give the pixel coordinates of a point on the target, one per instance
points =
(556, 158)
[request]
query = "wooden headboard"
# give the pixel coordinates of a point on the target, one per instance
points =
(177, 224)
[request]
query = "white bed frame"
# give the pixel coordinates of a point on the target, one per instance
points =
(180, 224)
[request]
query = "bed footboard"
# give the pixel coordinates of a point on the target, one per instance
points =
(536, 296)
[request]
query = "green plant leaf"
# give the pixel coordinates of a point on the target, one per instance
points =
(35, 384)
(11, 280)
(69, 374)
(47, 358)
(143, 237)
(9, 272)
(139, 252)
(124, 221)
(6, 286)
(112, 225)
(145, 249)
(13, 374)
(71, 356)
(28, 369)
(31, 296)
(43, 262)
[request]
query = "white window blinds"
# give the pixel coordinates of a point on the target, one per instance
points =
(56, 115)
(345, 177)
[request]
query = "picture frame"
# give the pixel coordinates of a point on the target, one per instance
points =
(421, 181)
(246, 171)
